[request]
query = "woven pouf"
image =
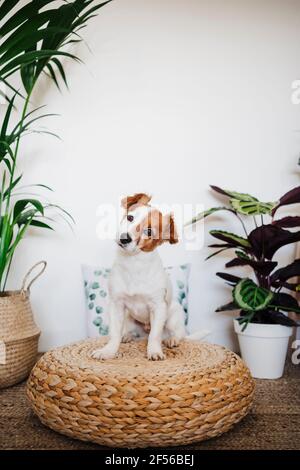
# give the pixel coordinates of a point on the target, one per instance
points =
(199, 391)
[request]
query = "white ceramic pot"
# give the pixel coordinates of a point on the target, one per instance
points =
(264, 348)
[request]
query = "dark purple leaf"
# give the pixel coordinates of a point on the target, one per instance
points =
(259, 317)
(267, 239)
(227, 307)
(215, 253)
(287, 222)
(293, 286)
(234, 194)
(284, 300)
(236, 262)
(262, 267)
(221, 245)
(279, 318)
(229, 277)
(219, 190)
(291, 197)
(283, 274)
(270, 317)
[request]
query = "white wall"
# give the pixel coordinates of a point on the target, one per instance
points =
(175, 95)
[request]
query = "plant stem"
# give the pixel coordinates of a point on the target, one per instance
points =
(243, 225)
(7, 272)
(9, 256)
(2, 191)
(17, 150)
(262, 219)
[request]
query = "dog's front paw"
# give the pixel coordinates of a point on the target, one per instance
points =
(155, 355)
(103, 353)
(171, 342)
(127, 338)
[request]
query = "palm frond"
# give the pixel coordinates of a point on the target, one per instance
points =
(34, 36)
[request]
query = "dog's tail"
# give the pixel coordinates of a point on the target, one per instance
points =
(198, 335)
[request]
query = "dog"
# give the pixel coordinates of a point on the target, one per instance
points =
(140, 291)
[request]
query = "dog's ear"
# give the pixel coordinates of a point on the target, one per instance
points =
(139, 198)
(169, 230)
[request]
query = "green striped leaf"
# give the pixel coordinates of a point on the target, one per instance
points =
(252, 207)
(250, 297)
(206, 213)
(234, 194)
(231, 238)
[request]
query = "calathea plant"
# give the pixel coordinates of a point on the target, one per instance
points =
(34, 37)
(262, 299)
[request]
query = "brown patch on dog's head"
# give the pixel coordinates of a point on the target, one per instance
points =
(139, 199)
(152, 223)
(170, 232)
(156, 229)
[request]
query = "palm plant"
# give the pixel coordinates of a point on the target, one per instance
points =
(261, 300)
(34, 36)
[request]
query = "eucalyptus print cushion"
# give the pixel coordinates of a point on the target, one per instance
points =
(179, 276)
(96, 295)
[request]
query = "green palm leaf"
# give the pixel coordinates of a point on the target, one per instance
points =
(25, 13)
(6, 119)
(32, 40)
(8, 138)
(31, 57)
(6, 7)
(22, 203)
(61, 70)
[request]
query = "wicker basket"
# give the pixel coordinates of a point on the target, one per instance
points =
(19, 334)
(198, 392)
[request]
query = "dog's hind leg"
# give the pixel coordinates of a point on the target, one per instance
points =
(175, 325)
(131, 330)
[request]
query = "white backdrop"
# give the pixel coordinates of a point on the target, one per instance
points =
(174, 96)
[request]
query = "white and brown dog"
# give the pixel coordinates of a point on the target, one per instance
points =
(140, 292)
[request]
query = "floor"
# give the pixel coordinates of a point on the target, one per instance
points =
(273, 423)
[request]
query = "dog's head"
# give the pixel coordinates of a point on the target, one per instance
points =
(144, 228)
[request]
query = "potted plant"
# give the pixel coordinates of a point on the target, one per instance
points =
(263, 300)
(34, 37)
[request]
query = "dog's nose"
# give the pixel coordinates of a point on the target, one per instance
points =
(125, 238)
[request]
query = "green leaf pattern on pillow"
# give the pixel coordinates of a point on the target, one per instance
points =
(179, 277)
(95, 286)
(96, 294)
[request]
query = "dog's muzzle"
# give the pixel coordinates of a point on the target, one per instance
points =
(125, 239)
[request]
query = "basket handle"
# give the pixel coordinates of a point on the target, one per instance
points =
(25, 289)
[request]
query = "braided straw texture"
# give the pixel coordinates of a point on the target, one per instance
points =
(199, 391)
(19, 337)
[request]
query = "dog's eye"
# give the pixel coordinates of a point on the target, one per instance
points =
(148, 232)
(130, 218)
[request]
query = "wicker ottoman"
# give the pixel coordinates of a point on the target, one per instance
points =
(198, 392)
